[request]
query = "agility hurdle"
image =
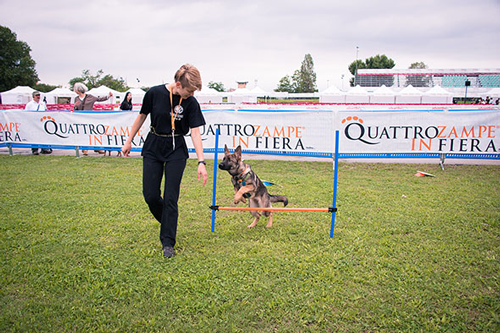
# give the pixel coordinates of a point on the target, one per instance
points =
(332, 209)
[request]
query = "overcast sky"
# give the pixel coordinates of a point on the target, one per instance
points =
(256, 41)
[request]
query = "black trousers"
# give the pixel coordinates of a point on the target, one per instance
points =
(165, 208)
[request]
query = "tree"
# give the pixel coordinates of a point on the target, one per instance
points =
(44, 87)
(306, 77)
(217, 86)
(376, 62)
(418, 80)
(285, 85)
(17, 68)
(94, 81)
(303, 79)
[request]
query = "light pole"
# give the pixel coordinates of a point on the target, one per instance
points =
(356, 72)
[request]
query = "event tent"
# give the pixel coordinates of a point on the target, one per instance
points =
(383, 95)
(332, 95)
(495, 92)
(241, 95)
(104, 91)
(137, 95)
(208, 95)
(437, 95)
(409, 95)
(17, 95)
(357, 95)
(60, 96)
(259, 92)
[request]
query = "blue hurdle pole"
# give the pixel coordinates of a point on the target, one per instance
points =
(215, 176)
(336, 159)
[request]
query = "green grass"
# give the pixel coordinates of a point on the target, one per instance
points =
(80, 251)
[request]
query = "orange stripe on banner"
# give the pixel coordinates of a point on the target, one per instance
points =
(276, 209)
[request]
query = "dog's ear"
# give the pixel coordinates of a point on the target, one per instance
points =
(226, 151)
(237, 152)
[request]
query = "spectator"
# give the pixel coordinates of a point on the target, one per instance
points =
(127, 102)
(85, 101)
(37, 105)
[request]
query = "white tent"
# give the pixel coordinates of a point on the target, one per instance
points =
(383, 95)
(357, 95)
(259, 92)
(17, 95)
(137, 95)
(409, 95)
(104, 91)
(208, 95)
(437, 95)
(332, 95)
(60, 96)
(495, 92)
(242, 95)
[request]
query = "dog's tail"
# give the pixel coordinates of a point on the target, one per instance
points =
(278, 198)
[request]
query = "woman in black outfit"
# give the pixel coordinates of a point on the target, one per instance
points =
(127, 102)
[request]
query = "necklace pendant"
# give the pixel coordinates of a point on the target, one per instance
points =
(173, 139)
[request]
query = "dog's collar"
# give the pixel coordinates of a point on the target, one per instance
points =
(245, 174)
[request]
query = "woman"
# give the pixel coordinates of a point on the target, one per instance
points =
(127, 102)
(85, 101)
(174, 112)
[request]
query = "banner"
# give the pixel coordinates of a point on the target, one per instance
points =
(419, 132)
(273, 132)
(283, 130)
(84, 129)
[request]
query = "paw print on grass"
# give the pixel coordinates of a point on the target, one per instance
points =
(47, 118)
(352, 118)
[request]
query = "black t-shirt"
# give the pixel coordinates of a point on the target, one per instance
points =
(156, 103)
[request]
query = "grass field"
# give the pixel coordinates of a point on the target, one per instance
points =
(80, 251)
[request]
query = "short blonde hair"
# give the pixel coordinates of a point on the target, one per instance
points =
(189, 77)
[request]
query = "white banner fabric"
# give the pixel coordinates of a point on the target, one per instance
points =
(292, 132)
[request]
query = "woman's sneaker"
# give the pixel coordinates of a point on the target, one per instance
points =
(168, 251)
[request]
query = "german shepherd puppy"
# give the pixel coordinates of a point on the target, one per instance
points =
(248, 185)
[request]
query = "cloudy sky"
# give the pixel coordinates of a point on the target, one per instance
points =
(256, 41)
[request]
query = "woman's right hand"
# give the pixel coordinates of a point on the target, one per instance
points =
(126, 149)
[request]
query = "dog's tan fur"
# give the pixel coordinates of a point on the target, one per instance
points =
(247, 184)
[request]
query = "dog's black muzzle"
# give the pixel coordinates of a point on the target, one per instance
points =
(224, 166)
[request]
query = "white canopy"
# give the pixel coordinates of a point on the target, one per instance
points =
(495, 92)
(259, 92)
(208, 95)
(58, 95)
(437, 95)
(17, 95)
(409, 95)
(104, 91)
(241, 95)
(332, 95)
(383, 95)
(137, 95)
(357, 95)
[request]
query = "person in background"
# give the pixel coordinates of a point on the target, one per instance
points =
(127, 102)
(173, 113)
(86, 101)
(37, 105)
(125, 106)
